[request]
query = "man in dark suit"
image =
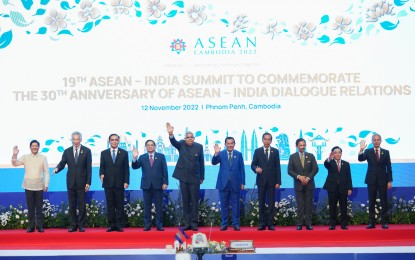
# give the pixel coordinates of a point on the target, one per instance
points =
(190, 171)
(114, 172)
(154, 181)
(302, 166)
(378, 178)
(231, 180)
(78, 180)
(266, 165)
(338, 185)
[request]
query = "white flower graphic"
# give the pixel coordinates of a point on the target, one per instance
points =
(196, 14)
(272, 29)
(378, 10)
(56, 20)
(121, 6)
(155, 8)
(88, 12)
(304, 30)
(240, 23)
(342, 25)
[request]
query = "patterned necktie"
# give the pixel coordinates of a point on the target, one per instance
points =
(377, 155)
(151, 160)
(302, 159)
(76, 155)
(230, 158)
(266, 154)
(338, 165)
(113, 156)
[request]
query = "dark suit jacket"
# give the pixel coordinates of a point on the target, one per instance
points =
(271, 170)
(115, 174)
(334, 177)
(295, 168)
(78, 173)
(378, 172)
(190, 166)
(154, 176)
(234, 172)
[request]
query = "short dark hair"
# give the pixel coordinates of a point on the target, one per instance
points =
(299, 140)
(34, 141)
(264, 134)
(109, 138)
(149, 140)
(229, 138)
(336, 147)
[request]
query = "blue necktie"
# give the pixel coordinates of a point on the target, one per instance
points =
(113, 156)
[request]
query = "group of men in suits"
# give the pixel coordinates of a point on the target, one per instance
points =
(190, 168)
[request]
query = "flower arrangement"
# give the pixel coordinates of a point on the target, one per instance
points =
(214, 247)
(401, 211)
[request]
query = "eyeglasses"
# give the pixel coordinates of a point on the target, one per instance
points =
(113, 140)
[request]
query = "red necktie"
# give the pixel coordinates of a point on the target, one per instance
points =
(151, 160)
(338, 165)
(377, 155)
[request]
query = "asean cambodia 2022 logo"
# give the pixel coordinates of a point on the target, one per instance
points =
(178, 45)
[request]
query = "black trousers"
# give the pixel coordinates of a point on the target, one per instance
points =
(373, 190)
(334, 197)
(34, 199)
(76, 197)
(269, 192)
(115, 207)
(190, 199)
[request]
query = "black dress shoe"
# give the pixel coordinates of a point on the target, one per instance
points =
(40, 229)
(81, 229)
(236, 228)
(195, 229)
(308, 227)
(118, 229)
(332, 227)
(30, 230)
(160, 229)
(223, 228)
(345, 227)
(110, 229)
(147, 229)
(299, 227)
(72, 230)
(385, 226)
(260, 228)
(272, 228)
(187, 228)
(371, 226)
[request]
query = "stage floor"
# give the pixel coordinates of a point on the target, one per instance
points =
(136, 238)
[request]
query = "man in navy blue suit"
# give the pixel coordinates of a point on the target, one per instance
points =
(114, 171)
(190, 171)
(378, 178)
(154, 181)
(231, 180)
(266, 166)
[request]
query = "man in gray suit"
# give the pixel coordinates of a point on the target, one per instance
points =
(302, 166)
